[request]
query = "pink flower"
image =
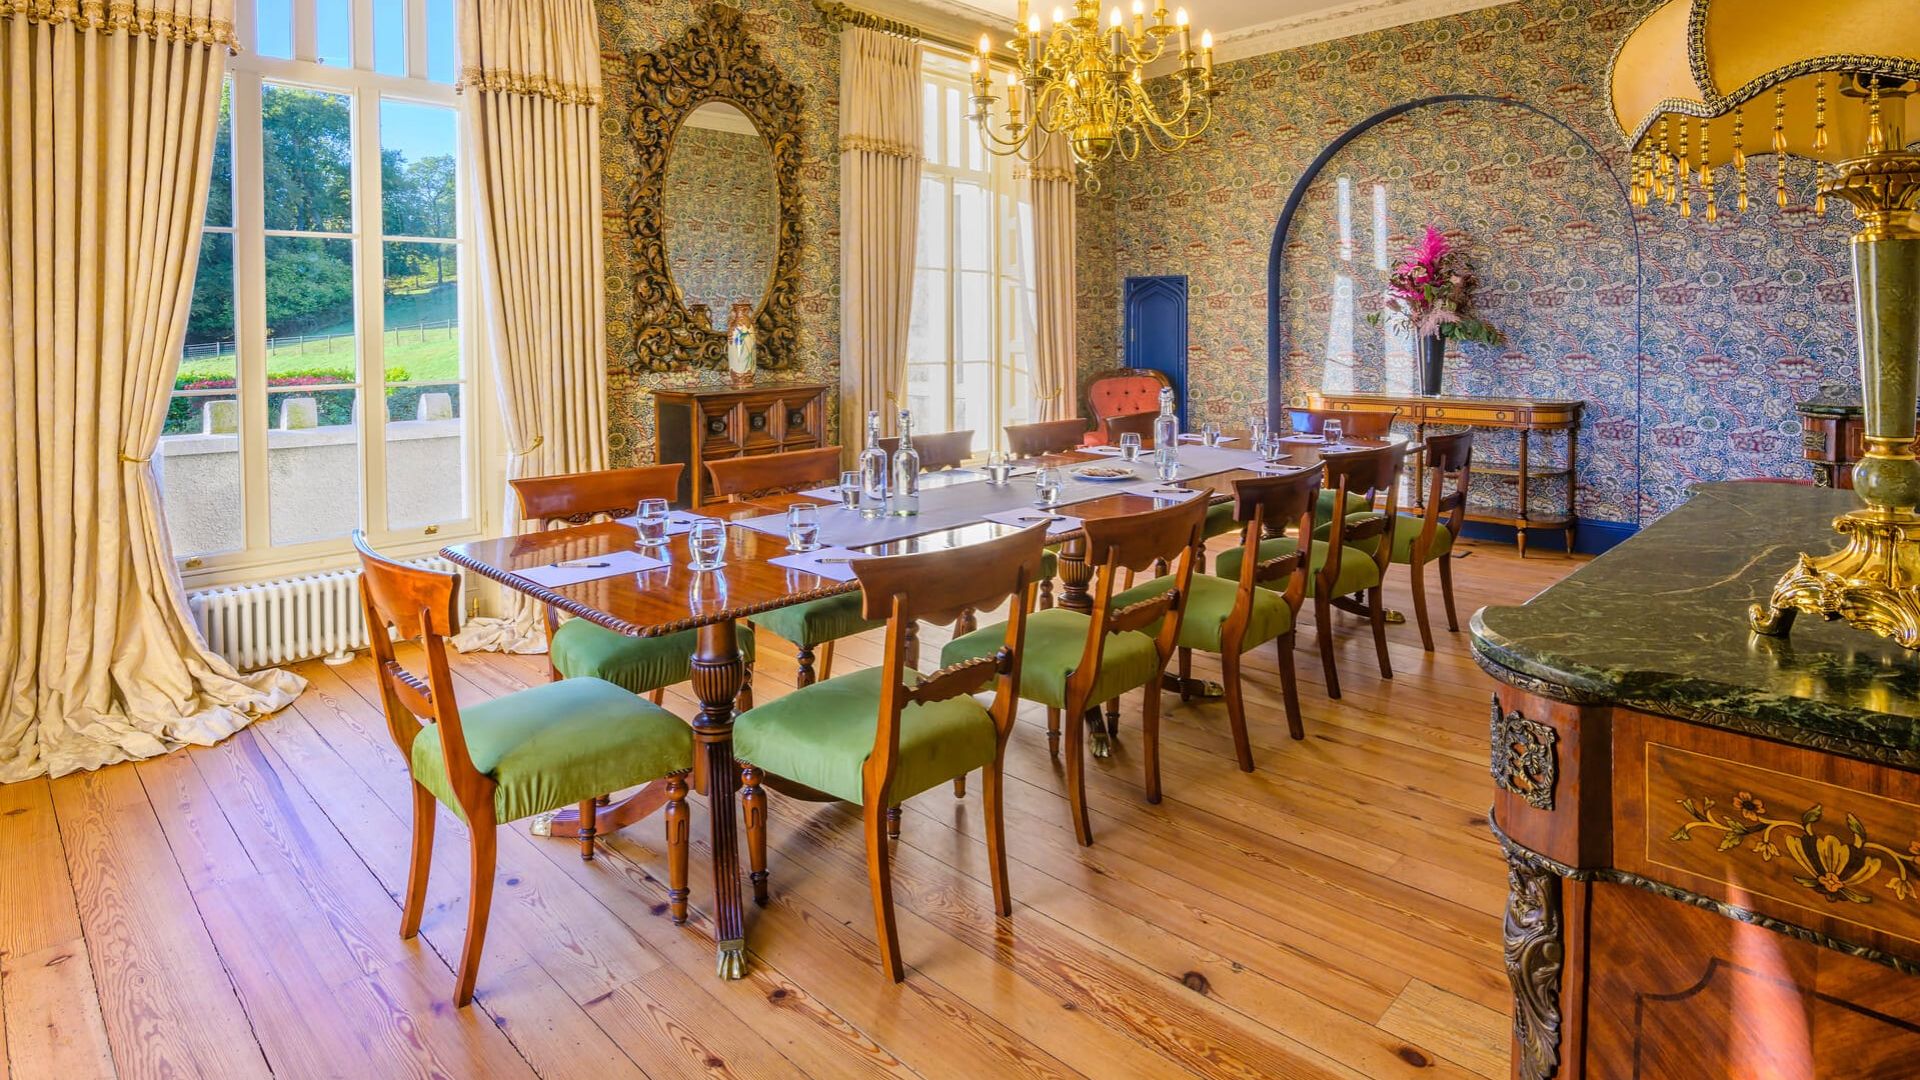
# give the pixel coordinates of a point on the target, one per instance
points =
(1431, 248)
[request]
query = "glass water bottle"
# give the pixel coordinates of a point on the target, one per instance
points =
(873, 471)
(906, 471)
(1166, 436)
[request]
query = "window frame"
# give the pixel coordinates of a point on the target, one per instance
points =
(258, 558)
(1009, 279)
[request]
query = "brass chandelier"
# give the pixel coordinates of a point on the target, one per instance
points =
(1088, 85)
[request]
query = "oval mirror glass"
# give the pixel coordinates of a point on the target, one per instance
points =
(720, 221)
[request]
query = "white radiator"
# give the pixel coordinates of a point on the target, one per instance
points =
(291, 619)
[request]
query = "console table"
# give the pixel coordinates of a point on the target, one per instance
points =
(1524, 415)
(693, 425)
(1710, 836)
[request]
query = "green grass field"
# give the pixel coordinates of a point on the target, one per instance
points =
(437, 358)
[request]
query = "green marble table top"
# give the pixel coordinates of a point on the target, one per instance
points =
(1659, 623)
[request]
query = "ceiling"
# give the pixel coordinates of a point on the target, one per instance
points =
(1241, 27)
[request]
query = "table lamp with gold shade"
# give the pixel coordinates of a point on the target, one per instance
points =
(1721, 100)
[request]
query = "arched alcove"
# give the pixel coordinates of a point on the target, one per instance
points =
(1551, 234)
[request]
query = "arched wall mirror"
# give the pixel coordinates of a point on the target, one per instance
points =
(722, 214)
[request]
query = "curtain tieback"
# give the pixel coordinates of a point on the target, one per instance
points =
(538, 440)
(131, 460)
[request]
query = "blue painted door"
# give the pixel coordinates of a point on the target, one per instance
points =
(1156, 328)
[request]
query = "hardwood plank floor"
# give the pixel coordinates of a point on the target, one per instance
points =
(233, 911)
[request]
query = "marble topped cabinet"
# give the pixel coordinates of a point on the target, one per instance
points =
(1712, 837)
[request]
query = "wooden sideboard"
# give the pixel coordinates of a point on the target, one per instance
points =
(1712, 862)
(1527, 416)
(695, 425)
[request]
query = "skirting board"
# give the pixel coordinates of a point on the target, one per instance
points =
(1590, 538)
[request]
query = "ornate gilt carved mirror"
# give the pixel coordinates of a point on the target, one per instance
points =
(713, 211)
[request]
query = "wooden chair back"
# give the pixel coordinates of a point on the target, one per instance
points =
(941, 450)
(938, 587)
(1449, 466)
(1370, 473)
(578, 498)
(1135, 542)
(1265, 506)
(1045, 437)
(420, 603)
(742, 478)
(1359, 423)
(1140, 423)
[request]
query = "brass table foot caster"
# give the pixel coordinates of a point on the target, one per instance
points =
(733, 960)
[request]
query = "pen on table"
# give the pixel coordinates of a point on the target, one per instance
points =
(579, 565)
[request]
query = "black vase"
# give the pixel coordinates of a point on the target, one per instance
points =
(1433, 359)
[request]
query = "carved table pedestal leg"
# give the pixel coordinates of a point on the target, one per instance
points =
(718, 671)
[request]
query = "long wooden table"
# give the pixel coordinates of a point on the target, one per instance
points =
(675, 598)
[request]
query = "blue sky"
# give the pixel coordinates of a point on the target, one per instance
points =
(333, 34)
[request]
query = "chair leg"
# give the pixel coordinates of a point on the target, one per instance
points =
(990, 780)
(1236, 708)
(880, 883)
(675, 816)
(753, 807)
(658, 695)
(589, 817)
(960, 786)
(1417, 577)
(1112, 721)
(1446, 591)
(479, 904)
(1046, 594)
(910, 644)
(425, 806)
(1150, 737)
(1376, 604)
(967, 623)
(893, 823)
(1053, 733)
(1186, 673)
(826, 661)
(1323, 632)
(1077, 774)
(1289, 687)
(803, 656)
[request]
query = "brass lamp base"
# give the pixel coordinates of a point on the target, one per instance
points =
(1873, 583)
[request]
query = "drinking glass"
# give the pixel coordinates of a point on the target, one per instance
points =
(1166, 465)
(1046, 486)
(999, 469)
(803, 527)
(651, 522)
(1130, 446)
(1210, 433)
(1333, 430)
(1273, 449)
(1257, 425)
(708, 543)
(850, 490)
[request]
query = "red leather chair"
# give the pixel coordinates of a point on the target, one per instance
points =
(1119, 393)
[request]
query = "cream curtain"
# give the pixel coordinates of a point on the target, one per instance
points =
(1050, 187)
(531, 69)
(107, 123)
(880, 141)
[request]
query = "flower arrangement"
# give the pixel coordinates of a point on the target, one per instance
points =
(1431, 295)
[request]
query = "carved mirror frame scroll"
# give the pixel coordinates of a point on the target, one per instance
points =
(716, 59)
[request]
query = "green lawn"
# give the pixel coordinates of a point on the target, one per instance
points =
(437, 358)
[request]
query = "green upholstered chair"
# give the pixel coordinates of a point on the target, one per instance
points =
(577, 648)
(1075, 661)
(1347, 560)
(815, 624)
(880, 736)
(556, 745)
(1229, 617)
(1429, 537)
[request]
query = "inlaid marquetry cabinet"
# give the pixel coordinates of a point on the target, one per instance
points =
(1712, 837)
(695, 425)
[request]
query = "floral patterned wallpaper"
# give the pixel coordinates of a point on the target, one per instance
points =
(794, 37)
(722, 210)
(1736, 320)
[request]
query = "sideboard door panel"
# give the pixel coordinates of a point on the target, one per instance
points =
(1695, 996)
